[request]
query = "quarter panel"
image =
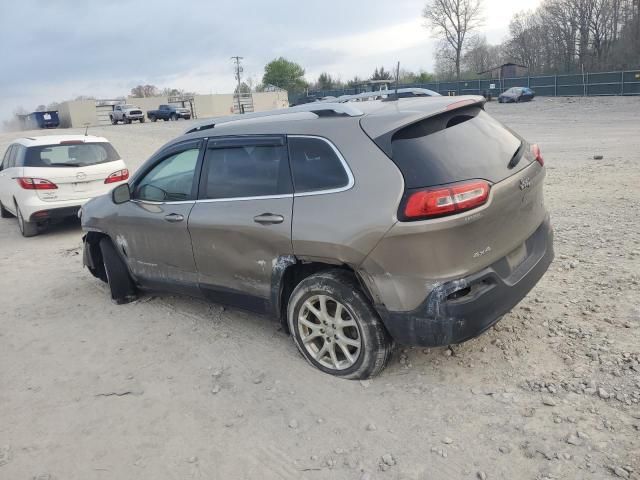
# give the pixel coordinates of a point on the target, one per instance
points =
(344, 227)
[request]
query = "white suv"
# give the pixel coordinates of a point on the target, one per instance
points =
(43, 178)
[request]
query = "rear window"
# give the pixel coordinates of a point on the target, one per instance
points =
(459, 145)
(74, 155)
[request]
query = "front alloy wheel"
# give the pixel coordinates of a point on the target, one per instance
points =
(329, 333)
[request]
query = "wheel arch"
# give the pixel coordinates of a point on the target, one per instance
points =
(92, 255)
(288, 271)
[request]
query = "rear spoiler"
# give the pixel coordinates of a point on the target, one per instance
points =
(385, 127)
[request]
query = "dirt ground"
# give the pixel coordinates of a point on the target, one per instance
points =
(176, 388)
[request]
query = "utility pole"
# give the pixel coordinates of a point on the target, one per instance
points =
(238, 73)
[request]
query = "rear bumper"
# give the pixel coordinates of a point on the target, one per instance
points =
(54, 213)
(458, 310)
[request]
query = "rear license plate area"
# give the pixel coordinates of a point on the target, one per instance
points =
(515, 258)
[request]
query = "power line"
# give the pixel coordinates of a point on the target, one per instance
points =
(237, 59)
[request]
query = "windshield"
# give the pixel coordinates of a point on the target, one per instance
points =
(76, 155)
(128, 107)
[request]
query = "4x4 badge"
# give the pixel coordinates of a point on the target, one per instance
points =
(525, 183)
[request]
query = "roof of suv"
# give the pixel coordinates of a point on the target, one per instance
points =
(57, 139)
(376, 117)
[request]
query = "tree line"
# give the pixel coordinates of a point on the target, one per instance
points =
(560, 36)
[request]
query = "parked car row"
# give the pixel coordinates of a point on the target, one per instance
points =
(357, 225)
(127, 113)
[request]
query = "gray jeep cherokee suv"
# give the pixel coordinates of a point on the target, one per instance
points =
(356, 224)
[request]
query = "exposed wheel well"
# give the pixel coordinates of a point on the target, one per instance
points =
(95, 254)
(297, 272)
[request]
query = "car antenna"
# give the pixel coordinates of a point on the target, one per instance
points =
(86, 128)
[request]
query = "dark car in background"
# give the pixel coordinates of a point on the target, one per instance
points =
(516, 95)
(169, 112)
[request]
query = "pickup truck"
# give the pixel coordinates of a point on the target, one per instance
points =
(126, 114)
(169, 112)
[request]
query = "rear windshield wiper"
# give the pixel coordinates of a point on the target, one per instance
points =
(516, 157)
(66, 165)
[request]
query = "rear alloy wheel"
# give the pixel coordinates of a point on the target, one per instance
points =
(335, 327)
(27, 229)
(122, 288)
(4, 213)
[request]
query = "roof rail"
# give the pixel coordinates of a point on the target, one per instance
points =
(318, 108)
(390, 94)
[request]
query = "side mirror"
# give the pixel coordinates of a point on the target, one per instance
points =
(121, 194)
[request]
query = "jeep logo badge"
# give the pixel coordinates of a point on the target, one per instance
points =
(81, 175)
(525, 183)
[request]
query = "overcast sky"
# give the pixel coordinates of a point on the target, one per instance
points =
(60, 49)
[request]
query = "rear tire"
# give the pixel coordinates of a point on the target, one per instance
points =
(122, 288)
(355, 334)
(27, 229)
(4, 213)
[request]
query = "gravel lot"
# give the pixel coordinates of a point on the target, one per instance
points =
(171, 387)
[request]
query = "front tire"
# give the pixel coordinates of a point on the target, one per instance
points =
(122, 288)
(153, 119)
(335, 327)
(114, 121)
(174, 117)
(127, 121)
(142, 120)
(27, 229)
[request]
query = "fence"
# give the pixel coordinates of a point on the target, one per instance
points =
(587, 84)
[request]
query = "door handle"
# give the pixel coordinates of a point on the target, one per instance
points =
(174, 217)
(268, 219)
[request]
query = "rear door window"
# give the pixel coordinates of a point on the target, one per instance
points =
(249, 170)
(70, 155)
(315, 165)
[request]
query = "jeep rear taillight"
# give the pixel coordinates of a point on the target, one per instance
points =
(29, 183)
(535, 149)
(441, 201)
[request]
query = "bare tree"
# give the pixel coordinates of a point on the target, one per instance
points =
(452, 21)
(142, 91)
(445, 66)
(480, 56)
